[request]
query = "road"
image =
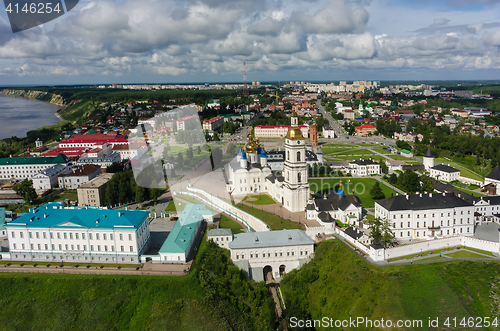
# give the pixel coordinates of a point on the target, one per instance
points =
(343, 137)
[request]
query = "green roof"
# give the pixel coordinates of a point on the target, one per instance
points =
(61, 158)
(55, 215)
(405, 151)
(184, 230)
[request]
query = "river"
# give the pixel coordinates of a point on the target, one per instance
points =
(18, 116)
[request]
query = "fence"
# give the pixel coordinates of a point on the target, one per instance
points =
(250, 221)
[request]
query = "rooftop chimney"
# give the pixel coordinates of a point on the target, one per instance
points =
(407, 197)
(430, 195)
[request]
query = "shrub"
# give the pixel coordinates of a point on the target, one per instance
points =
(48, 265)
(35, 265)
(22, 264)
(88, 266)
(76, 266)
(102, 266)
(119, 267)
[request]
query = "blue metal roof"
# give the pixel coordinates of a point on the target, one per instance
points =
(183, 232)
(55, 215)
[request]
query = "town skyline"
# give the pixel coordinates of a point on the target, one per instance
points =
(206, 41)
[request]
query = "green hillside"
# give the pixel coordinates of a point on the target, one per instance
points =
(214, 296)
(339, 284)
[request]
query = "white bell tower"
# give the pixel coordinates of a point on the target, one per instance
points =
(296, 187)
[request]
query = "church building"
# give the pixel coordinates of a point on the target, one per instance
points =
(251, 174)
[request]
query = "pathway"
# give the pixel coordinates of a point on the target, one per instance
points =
(389, 185)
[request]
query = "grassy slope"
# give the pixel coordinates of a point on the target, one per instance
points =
(343, 285)
(84, 302)
(76, 110)
(274, 222)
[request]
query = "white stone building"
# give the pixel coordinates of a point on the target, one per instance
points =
(271, 253)
(54, 233)
(328, 132)
(47, 179)
(427, 216)
(252, 175)
(21, 168)
(335, 206)
(444, 173)
(78, 176)
(428, 160)
(364, 167)
(103, 162)
(277, 131)
(222, 237)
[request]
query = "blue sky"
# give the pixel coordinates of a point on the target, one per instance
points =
(151, 41)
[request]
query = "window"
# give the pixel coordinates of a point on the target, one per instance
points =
(77, 236)
(275, 254)
(58, 235)
(106, 248)
(401, 224)
(21, 234)
(122, 248)
(424, 224)
(298, 178)
(14, 245)
(131, 248)
(51, 235)
(83, 235)
(256, 255)
(90, 236)
(31, 245)
(65, 236)
(97, 236)
(111, 237)
(13, 235)
(393, 225)
(44, 235)
(46, 247)
(70, 235)
(91, 247)
(104, 236)
(99, 248)
(401, 215)
(66, 246)
(31, 235)
(394, 217)
(72, 247)
(418, 224)
(77, 247)
(60, 247)
(298, 156)
(84, 247)
(129, 236)
(113, 248)
(121, 236)
(418, 216)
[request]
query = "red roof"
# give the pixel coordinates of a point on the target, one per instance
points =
(348, 111)
(213, 120)
(366, 126)
(277, 126)
(94, 141)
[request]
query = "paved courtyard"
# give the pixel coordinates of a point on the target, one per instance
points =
(487, 231)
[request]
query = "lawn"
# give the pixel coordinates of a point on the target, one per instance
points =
(362, 187)
(355, 157)
(400, 157)
(66, 194)
(262, 199)
(467, 161)
(433, 258)
(175, 208)
(465, 253)
(415, 292)
(123, 302)
(335, 150)
(359, 152)
(481, 251)
(228, 223)
(177, 149)
(464, 172)
(274, 222)
(381, 150)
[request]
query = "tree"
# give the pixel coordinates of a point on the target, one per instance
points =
(231, 149)
(189, 153)
(114, 167)
(383, 167)
(376, 192)
(26, 190)
(381, 231)
(180, 159)
(198, 150)
(427, 185)
(393, 179)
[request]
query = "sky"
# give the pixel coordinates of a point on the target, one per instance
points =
(181, 41)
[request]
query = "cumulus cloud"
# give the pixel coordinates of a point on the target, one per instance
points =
(209, 37)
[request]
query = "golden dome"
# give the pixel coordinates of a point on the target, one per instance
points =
(251, 147)
(294, 114)
(294, 133)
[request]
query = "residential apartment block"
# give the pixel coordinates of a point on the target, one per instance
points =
(93, 192)
(20, 168)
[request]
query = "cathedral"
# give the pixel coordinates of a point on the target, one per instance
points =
(250, 173)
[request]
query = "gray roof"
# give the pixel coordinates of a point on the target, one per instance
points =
(336, 202)
(354, 233)
(270, 239)
(415, 202)
(445, 168)
(364, 162)
(494, 174)
(219, 232)
(428, 153)
(52, 171)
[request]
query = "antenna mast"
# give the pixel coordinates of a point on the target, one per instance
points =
(245, 86)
